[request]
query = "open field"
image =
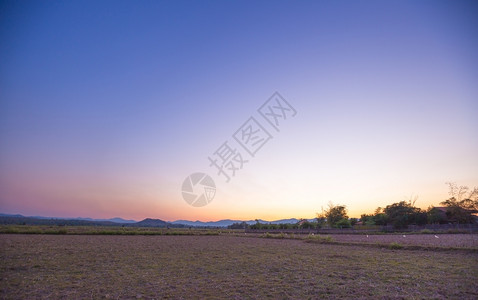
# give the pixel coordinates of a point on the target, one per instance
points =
(103, 266)
(106, 230)
(469, 241)
(457, 241)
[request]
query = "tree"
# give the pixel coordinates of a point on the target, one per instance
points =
(335, 213)
(380, 219)
(242, 225)
(460, 193)
(343, 223)
(305, 224)
(436, 216)
(367, 219)
(321, 219)
(462, 204)
(403, 213)
(258, 225)
(285, 226)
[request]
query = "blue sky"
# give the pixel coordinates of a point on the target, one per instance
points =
(107, 106)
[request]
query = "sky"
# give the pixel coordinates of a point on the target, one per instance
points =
(106, 107)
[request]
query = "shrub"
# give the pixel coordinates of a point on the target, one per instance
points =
(320, 238)
(10, 230)
(343, 223)
(210, 232)
(395, 246)
(273, 236)
(304, 224)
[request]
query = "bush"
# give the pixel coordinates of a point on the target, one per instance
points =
(320, 238)
(285, 226)
(212, 232)
(304, 224)
(395, 246)
(10, 230)
(273, 236)
(343, 223)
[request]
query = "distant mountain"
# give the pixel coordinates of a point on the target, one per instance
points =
(221, 223)
(121, 220)
(228, 222)
(22, 220)
(38, 220)
(7, 215)
(151, 223)
(285, 221)
(114, 220)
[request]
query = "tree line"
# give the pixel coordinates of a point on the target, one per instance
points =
(460, 208)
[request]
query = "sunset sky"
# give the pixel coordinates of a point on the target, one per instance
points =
(107, 106)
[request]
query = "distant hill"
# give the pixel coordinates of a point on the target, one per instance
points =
(221, 223)
(114, 220)
(22, 220)
(285, 221)
(7, 215)
(152, 223)
(149, 222)
(38, 220)
(228, 222)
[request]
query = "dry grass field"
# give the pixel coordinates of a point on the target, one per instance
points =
(469, 241)
(228, 267)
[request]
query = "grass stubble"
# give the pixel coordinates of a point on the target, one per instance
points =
(211, 267)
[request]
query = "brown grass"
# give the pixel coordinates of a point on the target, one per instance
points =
(469, 241)
(183, 267)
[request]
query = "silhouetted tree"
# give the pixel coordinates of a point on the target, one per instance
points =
(335, 213)
(403, 213)
(305, 224)
(353, 221)
(462, 204)
(321, 219)
(242, 225)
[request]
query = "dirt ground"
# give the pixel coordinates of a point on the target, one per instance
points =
(434, 240)
(227, 267)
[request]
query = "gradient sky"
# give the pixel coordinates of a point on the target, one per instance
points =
(107, 106)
